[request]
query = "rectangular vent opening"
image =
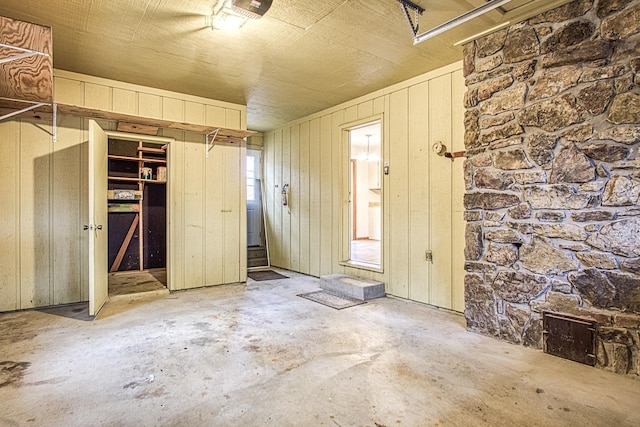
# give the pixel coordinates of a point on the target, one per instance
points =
(569, 337)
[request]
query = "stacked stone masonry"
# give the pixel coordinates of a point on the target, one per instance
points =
(552, 132)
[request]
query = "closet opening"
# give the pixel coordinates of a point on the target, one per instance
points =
(137, 215)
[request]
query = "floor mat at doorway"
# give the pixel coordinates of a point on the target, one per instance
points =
(331, 300)
(260, 276)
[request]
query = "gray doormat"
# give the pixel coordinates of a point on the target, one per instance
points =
(330, 300)
(260, 276)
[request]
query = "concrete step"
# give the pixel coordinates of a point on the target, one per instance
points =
(256, 252)
(257, 262)
(351, 286)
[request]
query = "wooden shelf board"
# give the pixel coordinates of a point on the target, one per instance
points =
(125, 179)
(224, 134)
(152, 150)
(136, 159)
(37, 70)
(122, 178)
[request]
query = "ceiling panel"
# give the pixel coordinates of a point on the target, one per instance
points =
(303, 56)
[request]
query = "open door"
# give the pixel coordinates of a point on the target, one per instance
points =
(97, 227)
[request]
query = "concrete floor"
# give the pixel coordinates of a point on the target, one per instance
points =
(259, 355)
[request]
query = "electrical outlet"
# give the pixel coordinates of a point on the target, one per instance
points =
(428, 256)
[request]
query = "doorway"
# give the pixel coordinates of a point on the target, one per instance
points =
(257, 248)
(137, 215)
(365, 201)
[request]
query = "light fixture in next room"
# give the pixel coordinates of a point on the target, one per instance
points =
(233, 14)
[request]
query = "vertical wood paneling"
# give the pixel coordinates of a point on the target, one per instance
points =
(294, 199)
(9, 216)
(277, 206)
(97, 96)
(175, 211)
(232, 119)
(346, 168)
(43, 257)
(418, 188)
(314, 197)
(379, 105)
(172, 109)
(285, 230)
(440, 191)
(35, 214)
(242, 207)
(398, 207)
(365, 109)
(351, 114)
(125, 101)
(194, 112)
(386, 194)
(150, 105)
(193, 213)
(419, 196)
(215, 116)
(68, 91)
(268, 188)
(304, 203)
(66, 210)
(215, 217)
(326, 190)
(232, 213)
(337, 160)
(458, 190)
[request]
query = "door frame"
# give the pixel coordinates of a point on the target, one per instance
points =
(169, 187)
(347, 198)
(264, 239)
(257, 180)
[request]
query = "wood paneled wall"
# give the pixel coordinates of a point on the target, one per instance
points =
(422, 196)
(44, 187)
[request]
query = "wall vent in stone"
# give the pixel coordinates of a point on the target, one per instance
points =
(570, 337)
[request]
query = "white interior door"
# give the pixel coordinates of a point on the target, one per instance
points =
(97, 226)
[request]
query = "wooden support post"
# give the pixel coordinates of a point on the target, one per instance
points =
(125, 244)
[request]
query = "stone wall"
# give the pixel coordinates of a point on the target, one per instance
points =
(553, 177)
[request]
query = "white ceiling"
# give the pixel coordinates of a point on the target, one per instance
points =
(303, 56)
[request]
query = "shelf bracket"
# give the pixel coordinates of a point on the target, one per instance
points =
(210, 144)
(54, 129)
(26, 53)
(33, 106)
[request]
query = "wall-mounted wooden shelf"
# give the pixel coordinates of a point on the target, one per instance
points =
(225, 135)
(26, 67)
(26, 71)
(135, 159)
(125, 179)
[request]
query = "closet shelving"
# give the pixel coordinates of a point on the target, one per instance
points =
(129, 174)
